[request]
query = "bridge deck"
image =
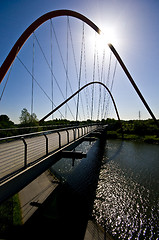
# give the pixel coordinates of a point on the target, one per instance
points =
(27, 149)
(27, 156)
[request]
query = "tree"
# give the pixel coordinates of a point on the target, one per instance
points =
(5, 122)
(27, 119)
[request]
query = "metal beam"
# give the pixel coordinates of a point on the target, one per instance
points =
(132, 82)
(37, 23)
(73, 154)
(90, 83)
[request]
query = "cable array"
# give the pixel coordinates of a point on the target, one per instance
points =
(88, 105)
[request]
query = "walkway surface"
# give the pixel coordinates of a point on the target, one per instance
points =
(95, 232)
(35, 193)
(66, 211)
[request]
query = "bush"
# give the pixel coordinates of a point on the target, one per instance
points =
(112, 134)
(151, 139)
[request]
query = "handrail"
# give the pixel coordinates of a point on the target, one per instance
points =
(27, 149)
(43, 132)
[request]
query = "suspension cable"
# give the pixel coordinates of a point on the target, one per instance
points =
(107, 82)
(74, 58)
(52, 79)
(37, 82)
(69, 28)
(52, 72)
(6, 82)
(85, 74)
(49, 65)
(111, 88)
(101, 79)
(58, 45)
(66, 66)
(32, 87)
(94, 64)
(80, 72)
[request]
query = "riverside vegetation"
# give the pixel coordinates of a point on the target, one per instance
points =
(139, 130)
(143, 130)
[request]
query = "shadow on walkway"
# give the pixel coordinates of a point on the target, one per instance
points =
(65, 213)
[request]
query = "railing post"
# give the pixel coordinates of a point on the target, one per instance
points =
(82, 130)
(59, 139)
(74, 133)
(25, 152)
(47, 143)
(68, 140)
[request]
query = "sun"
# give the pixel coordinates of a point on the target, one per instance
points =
(108, 35)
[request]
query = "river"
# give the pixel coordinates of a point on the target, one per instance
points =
(127, 196)
(127, 193)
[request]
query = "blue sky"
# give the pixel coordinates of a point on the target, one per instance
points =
(135, 27)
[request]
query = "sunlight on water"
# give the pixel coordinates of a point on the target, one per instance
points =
(125, 201)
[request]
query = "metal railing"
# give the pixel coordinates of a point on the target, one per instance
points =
(19, 152)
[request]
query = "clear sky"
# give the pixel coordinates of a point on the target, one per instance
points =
(135, 30)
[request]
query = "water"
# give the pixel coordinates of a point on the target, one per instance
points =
(64, 168)
(127, 196)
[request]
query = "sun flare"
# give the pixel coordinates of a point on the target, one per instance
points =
(108, 35)
(105, 37)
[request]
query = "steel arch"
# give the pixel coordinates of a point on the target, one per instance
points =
(86, 85)
(26, 34)
(37, 23)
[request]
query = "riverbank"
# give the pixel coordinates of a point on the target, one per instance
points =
(152, 139)
(10, 215)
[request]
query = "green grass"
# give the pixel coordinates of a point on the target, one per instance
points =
(10, 215)
(151, 139)
(134, 137)
(17, 219)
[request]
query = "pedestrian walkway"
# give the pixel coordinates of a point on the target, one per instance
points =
(35, 193)
(95, 232)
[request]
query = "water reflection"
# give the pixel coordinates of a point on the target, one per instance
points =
(64, 167)
(127, 196)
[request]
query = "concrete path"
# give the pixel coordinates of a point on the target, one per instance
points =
(34, 194)
(95, 232)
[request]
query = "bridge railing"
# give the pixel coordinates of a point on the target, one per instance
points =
(19, 152)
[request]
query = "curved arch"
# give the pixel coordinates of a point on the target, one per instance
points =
(37, 23)
(86, 85)
(26, 34)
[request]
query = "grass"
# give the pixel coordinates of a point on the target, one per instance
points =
(10, 215)
(153, 139)
(17, 219)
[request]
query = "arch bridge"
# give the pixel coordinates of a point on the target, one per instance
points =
(24, 157)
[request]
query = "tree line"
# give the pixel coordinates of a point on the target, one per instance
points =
(144, 130)
(30, 123)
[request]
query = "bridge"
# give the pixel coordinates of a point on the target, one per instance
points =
(24, 157)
